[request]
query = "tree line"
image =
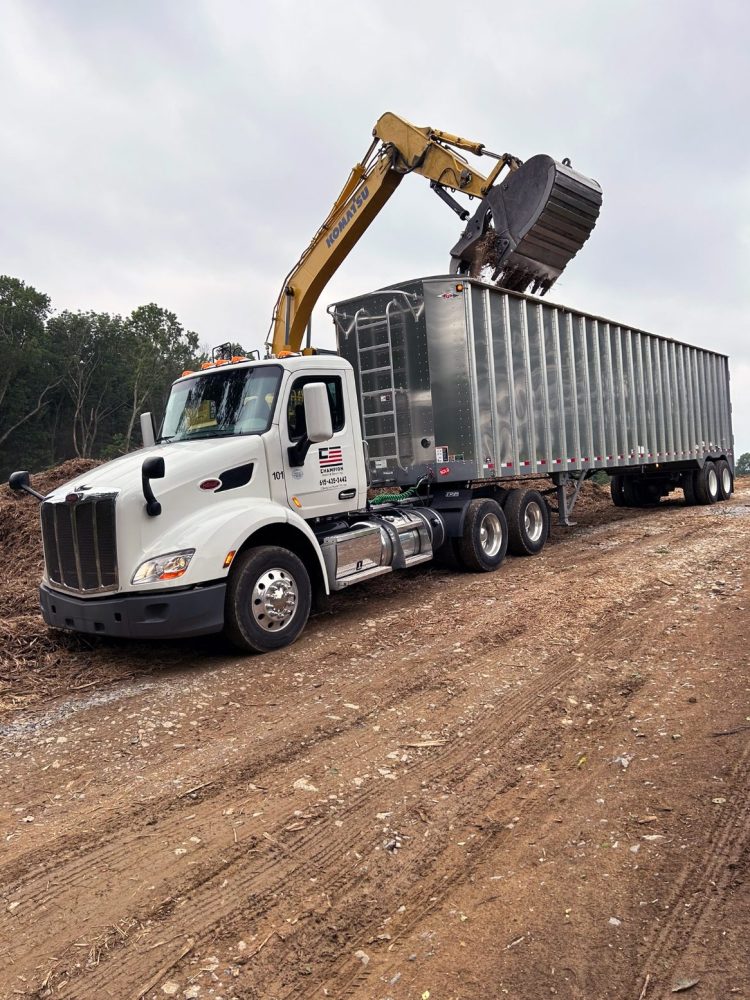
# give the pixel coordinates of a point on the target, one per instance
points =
(72, 384)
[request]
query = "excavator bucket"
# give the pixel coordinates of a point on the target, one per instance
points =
(541, 215)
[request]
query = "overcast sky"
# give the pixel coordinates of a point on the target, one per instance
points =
(184, 152)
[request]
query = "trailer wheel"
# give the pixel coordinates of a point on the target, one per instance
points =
(688, 487)
(268, 599)
(617, 489)
(726, 480)
(528, 522)
(707, 483)
(631, 494)
(484, 541)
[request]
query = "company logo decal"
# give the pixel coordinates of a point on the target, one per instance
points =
(355, 204)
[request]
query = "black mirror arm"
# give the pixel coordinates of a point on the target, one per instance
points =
(19, 481)
(152, 468)
(153, 507)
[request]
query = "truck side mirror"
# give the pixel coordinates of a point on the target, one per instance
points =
(317, 412)
(21, 482)
(148, 434)
(152, 468)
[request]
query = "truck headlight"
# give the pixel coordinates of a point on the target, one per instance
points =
(167, 567)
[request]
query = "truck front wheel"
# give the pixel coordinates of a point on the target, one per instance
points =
(268, 599)
(484, 541)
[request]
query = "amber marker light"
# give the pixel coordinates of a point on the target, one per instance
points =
(297, 502)
(459, 287)
(228, 559)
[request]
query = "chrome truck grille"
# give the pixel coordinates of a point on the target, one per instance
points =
(80, 545)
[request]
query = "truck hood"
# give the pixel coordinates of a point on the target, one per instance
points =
(185, 462)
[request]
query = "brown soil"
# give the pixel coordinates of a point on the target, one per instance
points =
(527, 784)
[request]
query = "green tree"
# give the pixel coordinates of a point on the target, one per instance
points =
(91, 345)
(742, 468)
(28, 375)
(157, 348)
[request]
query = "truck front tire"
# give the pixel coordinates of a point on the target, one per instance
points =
(268, 599)
(484, 541)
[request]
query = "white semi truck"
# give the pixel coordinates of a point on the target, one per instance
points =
(254, 498)
(469, 402)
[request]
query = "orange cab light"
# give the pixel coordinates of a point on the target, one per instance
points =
(188, 371)
(206, 364)
(228, 559)
(238, 357)
(286, 354)
(222, 361)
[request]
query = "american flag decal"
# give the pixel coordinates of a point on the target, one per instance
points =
(329, 457)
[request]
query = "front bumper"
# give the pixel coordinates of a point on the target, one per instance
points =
(161, 615)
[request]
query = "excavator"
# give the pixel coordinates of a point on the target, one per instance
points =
(532, 218)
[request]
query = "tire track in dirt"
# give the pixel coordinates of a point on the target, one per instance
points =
(705, 877)
(520, 707)
(321, 849)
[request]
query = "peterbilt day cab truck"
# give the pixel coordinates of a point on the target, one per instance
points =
(466, 402)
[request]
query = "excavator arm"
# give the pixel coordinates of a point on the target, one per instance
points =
(399, 148)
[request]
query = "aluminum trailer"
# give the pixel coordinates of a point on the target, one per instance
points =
(461, 381)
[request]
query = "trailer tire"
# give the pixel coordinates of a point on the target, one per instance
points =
(630, 492)
(528, 522)
(484, 541)
(617, 489)
(268, 599)
(707, 483)
(726, 479)
(688, 488)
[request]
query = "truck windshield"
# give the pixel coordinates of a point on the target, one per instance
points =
(221, 403)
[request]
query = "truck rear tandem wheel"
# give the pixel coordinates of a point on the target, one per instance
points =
(484, 540)
(527, 515)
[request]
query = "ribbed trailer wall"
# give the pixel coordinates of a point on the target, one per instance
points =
(474, 382)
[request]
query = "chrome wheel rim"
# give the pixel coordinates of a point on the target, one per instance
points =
(491, 535)
(274, 600)
(713, 482)
(533, 521)
(726, 481)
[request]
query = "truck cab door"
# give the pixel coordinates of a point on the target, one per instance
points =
(325, 482)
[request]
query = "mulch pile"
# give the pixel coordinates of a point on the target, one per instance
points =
(28, 650)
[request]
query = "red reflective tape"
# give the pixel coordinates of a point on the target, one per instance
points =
(542, 461)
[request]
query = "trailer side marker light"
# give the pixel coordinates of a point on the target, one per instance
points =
(297, 502)
(228, 559)
(459, 287)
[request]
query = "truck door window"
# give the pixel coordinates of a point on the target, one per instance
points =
(296, 406)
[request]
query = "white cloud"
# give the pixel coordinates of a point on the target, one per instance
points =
(185, 153)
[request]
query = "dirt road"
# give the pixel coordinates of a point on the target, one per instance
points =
(528, 784)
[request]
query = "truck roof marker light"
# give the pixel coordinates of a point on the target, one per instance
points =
(238, 357)
(297, 502)
(228, 558)
(206, 364)
(188, 371)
